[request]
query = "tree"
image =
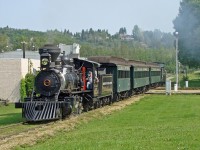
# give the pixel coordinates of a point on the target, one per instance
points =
(122, 30)
(91, 31)
(82, 35)
(3, 42)
(187, 24)
(137, 34)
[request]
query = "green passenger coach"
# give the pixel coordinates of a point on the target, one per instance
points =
(130, 76)
(155, 74)
(140, 76)
(123, 78)
(120, 69)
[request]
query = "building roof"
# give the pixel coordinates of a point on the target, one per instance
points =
(19, 54)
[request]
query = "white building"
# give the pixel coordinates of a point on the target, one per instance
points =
(70, 49)
(12, 70)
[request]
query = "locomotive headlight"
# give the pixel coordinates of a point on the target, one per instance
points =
(45, 61)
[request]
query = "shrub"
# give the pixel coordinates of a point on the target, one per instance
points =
(23, 89)
(26, 86)
(29, 83)
(185, 78)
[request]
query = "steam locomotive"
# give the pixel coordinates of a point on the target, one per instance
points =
(61, 86)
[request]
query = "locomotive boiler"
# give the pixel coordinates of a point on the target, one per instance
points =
(56, 75)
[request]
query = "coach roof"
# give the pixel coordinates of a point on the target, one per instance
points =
(143, 64)
(109, 60)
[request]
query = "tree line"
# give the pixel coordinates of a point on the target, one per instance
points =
(141, 45)
(153, 46)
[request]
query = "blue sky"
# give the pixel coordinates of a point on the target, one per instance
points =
(76, 15)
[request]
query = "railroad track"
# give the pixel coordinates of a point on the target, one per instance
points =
(10, 126)
(9, 130)
(14, 129)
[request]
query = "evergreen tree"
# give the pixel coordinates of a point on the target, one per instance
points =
(137, 34)
(122, 30)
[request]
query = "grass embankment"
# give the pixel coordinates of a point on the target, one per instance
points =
(155, 122)
(9, 115)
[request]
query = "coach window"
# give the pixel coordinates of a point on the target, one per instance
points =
(119, 74)
(123, 74)
(140, 74)
(136, 74)
(147, 73)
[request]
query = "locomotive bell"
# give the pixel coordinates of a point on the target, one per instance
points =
(58, 63)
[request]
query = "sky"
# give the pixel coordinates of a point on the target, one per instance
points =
(75, 15)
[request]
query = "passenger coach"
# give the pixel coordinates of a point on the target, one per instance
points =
(140, 76)
(120, 69)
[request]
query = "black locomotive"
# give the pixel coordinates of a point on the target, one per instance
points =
(67, 84)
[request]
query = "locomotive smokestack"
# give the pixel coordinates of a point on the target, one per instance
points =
(48, 55)
(53, 50)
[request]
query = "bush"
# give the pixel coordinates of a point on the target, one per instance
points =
(185, 78)
(26, 87)
(29, 83)
(23, 89)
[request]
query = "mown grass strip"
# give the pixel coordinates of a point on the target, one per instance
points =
(10, 115)
(156, 122)
(194, 80)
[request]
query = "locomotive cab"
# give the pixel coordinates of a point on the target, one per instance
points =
(88, 72)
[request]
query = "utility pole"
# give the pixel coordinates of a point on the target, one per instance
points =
(23, 48)
(176, 35)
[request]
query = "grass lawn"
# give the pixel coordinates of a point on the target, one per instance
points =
(9, 115)
(156, 122)
(194, 80)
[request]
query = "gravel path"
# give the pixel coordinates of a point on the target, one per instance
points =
(173, 92)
